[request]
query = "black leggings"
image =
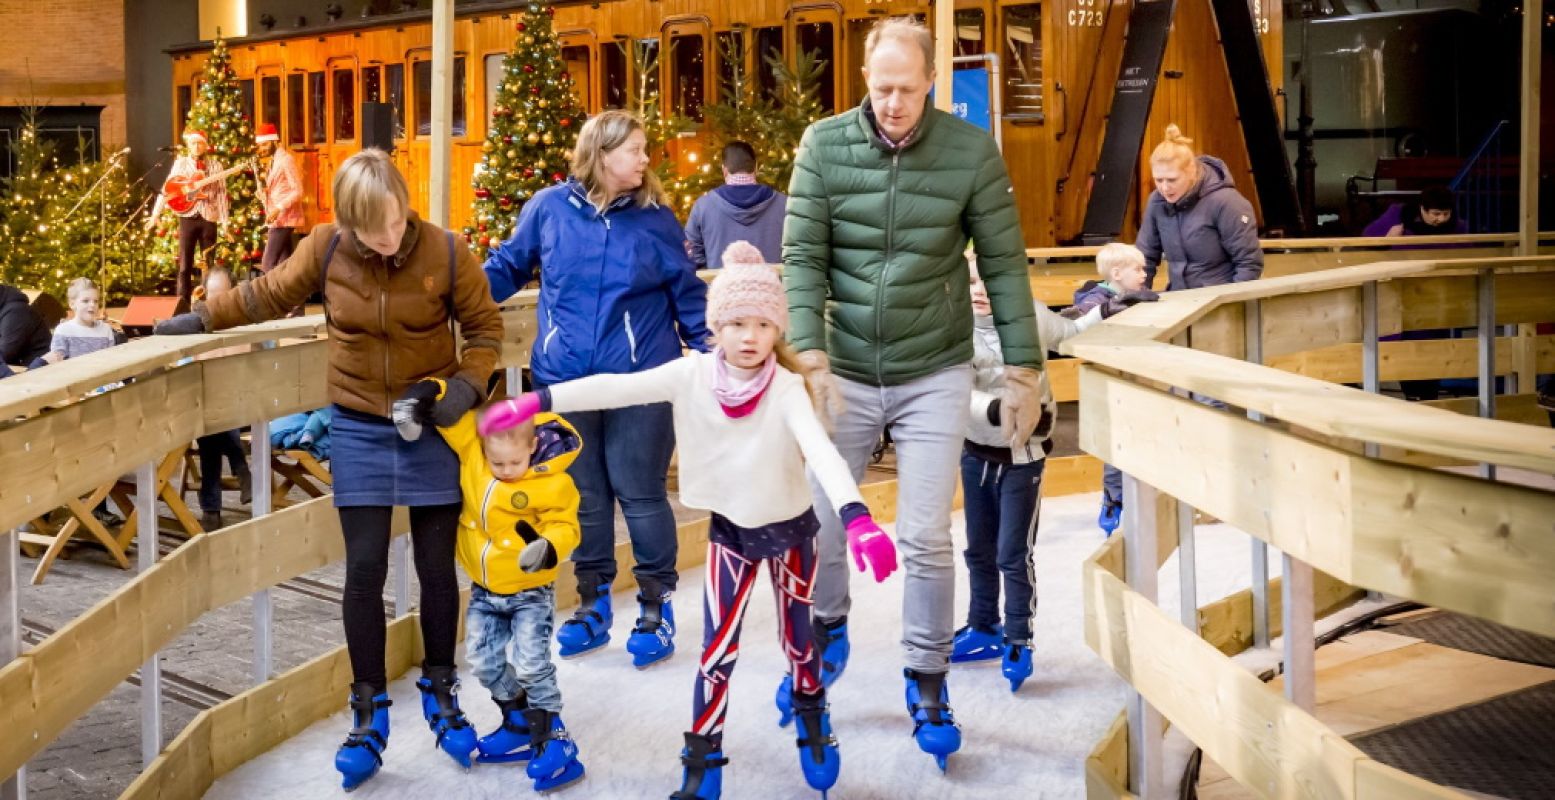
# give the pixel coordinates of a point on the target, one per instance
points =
(432, 532)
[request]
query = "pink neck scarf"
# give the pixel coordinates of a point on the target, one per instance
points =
(737, 397)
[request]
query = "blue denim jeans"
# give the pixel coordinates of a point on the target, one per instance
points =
(1001, 532)
(625, 458)
(509, 644)
(1111, 485)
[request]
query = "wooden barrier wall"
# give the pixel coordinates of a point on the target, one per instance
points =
(1300, 482)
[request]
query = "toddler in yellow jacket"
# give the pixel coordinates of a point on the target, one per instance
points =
(520, 518)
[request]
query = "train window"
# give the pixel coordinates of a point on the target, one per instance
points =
(820, 40)
(316, 107)
(614, 86)
(246, 99)
(296, 129)
(971, 32)
(858, 29)
(185, 102)
(494, 75)
(422, 73)
(345, 105)
(1023, 50)
(576, 60)
(731, 60)
(372, 85)
(769, 48)
(646, 69)
(688, 77)
(270, 99)
(394, 77)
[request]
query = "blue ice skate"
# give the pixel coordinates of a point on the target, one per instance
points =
(703, 776)
(510, 741)
(1017, 663)
(589, 628)
(360, 756)
(934, 725)
(818, 755)
(440, 707)
(976, 643)
(831, 638)
(653, 638)
(1110, 518)
(555, 761)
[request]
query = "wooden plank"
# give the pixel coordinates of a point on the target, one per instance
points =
(1222, 331)
(1063, 375)
(1523, 409)
(1263, 740)
(1450, 302)
(1071, 475)
(1375, 780)
(1456, 542)
(1227, 623)
(1222, 464)
(1414, 360)
(1106, 768)
(1296, 322)
(1324, 407)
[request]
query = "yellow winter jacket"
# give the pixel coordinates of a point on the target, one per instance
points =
(544, 497)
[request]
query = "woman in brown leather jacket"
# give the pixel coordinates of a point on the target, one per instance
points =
(392, 286)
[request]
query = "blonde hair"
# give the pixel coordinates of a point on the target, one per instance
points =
(78, 286)
(789, 360)
(1117, 255)
(906, 30)
(363, 185)
(602, 134)
(1176, 150)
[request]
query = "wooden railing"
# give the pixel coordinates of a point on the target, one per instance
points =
(1318, 470)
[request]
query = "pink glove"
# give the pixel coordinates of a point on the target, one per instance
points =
(868, 543)
(509, 413)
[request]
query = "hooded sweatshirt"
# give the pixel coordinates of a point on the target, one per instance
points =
(1209, 236)
(728, 214)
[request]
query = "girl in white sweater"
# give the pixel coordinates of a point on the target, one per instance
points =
(746, 429)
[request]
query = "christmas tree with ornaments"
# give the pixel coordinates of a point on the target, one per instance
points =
(218, 112)
(534, 125)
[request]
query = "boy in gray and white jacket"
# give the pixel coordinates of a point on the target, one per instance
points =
(1002, 488)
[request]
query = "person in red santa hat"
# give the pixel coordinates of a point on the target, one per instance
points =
(282, 195)
(207, 206)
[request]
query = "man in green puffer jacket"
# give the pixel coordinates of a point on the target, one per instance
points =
(883, 200)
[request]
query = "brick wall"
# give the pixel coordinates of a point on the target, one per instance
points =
(66, 53)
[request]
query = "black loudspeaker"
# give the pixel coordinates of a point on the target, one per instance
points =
(378, 126)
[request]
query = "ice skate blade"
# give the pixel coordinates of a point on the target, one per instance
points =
(1015, 685)
(348, 785)
(506, 758)
(572, 774)
(659, 659)
(562, 652)
(942, 761)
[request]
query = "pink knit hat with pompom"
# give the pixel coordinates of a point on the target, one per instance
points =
(746, 287)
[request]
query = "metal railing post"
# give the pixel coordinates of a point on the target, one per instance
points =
(1187, 569)
(1296, 613)
(1486, 284)
(1140, 542)
(1370, 356)
(14, 787)
(263, 612)
(1253, 337)
(146, 558)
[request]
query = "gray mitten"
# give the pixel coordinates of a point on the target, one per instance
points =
(538, 554)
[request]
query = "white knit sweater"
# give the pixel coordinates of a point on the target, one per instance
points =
(750, 470)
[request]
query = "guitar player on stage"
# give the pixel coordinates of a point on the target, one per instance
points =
(282, 193)
(199, 211)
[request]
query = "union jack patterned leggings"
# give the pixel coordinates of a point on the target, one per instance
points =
(730, 577)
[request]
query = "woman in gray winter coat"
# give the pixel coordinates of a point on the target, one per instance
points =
(1197, 218)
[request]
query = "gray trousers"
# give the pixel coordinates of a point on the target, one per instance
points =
(927, 418)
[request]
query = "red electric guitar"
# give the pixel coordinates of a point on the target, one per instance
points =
(182, 193)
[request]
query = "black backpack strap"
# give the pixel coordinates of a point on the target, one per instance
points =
(329, 255)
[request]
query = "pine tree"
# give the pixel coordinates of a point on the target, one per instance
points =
(535, 122)
(218, 113)
(66, 219)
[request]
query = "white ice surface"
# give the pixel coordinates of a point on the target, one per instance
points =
(628, 724)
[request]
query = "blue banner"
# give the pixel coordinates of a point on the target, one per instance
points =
(969, 95)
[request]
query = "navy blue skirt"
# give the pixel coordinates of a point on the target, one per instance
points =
(373, 466)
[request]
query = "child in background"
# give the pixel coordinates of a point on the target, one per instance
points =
(520, 518)
(84, 332)
(1122, 270)
(1002, 487)
(747, 429)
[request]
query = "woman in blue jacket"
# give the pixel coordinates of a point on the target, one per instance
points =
(618, 294)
